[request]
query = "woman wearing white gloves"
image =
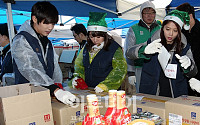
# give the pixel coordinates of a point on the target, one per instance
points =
(101, 62)
(158, 81)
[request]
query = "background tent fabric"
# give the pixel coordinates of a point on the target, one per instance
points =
(81, 8)
(18, 17)
(65, 7)
(71, 7)
(113, 23)
(63, 31)
(130, 9)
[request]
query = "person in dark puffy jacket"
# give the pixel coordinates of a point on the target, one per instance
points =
(192, 36)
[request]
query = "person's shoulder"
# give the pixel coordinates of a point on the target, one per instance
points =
(114, 44)
(135, 25)
(17, 36)
(184, 40)
(197, 21)
(159, 22)
(197, 24)
(156, 35)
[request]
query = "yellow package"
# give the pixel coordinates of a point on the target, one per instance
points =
(141, 122)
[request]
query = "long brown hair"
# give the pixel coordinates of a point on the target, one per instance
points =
(177, 41)
(107, 39)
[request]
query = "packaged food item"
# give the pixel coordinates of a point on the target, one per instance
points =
(122, 116)
(93, 116)
(141, 122)
(112, 106)
(81, 84)
(148, 116)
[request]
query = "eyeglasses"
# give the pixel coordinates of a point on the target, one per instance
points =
(152, 13)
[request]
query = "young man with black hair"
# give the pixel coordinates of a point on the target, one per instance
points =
(34, 58)
(80, 34)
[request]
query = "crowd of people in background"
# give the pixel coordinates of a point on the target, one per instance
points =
(101, 61)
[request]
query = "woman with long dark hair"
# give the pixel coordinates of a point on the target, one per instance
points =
(158, 81)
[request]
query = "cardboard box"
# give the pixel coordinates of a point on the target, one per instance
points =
(157, 108)
(74, 115)
(143, 103)
(81, 94)
(151, 103)
(183, 110)
(25, 104)
(148, 97)
(68, 115)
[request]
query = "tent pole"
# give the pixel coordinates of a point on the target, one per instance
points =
(10, 22)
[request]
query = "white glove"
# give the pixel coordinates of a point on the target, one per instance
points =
(195, 84)
(74, 83)
(153, 47)
(132, 80)
(184, 60)
(98, 90)
(65, 97)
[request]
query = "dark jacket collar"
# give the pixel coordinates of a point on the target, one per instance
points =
(152, 26)
(82, 44)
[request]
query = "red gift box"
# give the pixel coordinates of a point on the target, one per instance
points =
(81, 84)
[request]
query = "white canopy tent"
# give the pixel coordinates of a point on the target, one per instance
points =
(127, 9)
(130, 9)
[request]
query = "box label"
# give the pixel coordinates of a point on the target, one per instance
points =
(193, 115)
(47, 118)
(139, 110)
(196, 104)
(175, 119)
(33, 123)
(78, 113)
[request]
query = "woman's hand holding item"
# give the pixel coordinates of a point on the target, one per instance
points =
(65, 96)
(184, 60)
(79, 83)
(74, 82)
(153, 47)
(98, 89)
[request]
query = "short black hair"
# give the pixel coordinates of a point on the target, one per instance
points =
(44, 11)
(79, 28)
(186, 7)
(4, 29)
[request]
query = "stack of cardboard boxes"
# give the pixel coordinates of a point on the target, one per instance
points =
(184, 110)
(26, 104)
(71, 115)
